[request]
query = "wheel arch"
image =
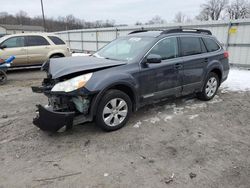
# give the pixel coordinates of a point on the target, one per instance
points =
(57, 54)
(215, 67)
(122, 86)
(218, 72)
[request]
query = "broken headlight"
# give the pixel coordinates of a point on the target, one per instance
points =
(73, 83)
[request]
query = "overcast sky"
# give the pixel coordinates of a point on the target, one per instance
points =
(123, 11)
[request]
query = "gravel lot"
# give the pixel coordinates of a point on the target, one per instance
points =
(199, 144)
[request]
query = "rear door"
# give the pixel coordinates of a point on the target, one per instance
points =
(15, 46)
(162, 79)
(195, 61)
(38, 49)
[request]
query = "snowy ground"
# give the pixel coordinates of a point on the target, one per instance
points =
(80, 54)
(238, 80)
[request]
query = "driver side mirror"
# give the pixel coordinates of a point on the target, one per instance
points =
(154, 58)
(3, 46)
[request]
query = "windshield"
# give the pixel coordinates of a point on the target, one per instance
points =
(124, 49)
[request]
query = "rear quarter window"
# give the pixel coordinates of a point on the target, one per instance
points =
(211, 45)
(191, 46)
(56, 40)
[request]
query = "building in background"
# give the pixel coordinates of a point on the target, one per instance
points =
(13, 29)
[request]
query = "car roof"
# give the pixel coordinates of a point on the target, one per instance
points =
(25, 34)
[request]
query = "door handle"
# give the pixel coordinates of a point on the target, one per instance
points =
(206, 60)
(178, 66)
(22, 49)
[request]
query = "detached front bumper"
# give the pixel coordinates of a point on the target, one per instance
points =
(49, 120)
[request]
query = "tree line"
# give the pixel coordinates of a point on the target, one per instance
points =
(210, 10)
(61, 23)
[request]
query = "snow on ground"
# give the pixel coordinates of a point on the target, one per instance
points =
(80, 54)
(193, 116)
(238, 80)
(137, 125)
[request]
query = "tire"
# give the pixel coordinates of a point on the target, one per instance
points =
(110, 116)
(210, 87)
(3, 77)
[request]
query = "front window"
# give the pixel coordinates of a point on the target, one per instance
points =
(14, 42)
(124, 49)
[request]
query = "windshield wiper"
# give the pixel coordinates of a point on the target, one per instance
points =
(112, 59)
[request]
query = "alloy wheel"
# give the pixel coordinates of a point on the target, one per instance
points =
(211, 86)
(115, 112)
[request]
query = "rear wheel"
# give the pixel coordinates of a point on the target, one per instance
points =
(113, 110)
(55, 56)
(210, 88)
(3, 77)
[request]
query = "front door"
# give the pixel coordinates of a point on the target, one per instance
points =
(14, 46)
(162, 79)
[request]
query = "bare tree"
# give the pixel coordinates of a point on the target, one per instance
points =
(23, 18)
(212, 9)
(138, 23)
(156, 20)
(239, 9)
(203, 15)
(59, 24)
(180, 17)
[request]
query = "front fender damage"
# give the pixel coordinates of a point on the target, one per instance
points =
(64, 109)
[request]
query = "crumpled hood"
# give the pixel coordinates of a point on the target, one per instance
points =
(64, 66)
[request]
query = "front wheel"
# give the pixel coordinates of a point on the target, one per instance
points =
(113, 110)
(210, 88)
(3, 77)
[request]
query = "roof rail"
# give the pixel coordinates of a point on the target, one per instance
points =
(137, 31)
(183, 30)
(175, 30)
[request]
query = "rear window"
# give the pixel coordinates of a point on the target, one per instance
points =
(191, 46)
(36, 41)
(56, 40)
(211, 45)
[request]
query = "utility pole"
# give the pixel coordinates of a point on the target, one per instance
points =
(43, 15)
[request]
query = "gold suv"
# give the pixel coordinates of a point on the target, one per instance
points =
(32, 48)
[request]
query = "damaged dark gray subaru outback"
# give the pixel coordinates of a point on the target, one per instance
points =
(128, 73)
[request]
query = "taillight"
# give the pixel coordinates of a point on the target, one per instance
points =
(226, 54)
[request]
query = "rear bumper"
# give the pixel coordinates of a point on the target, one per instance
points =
(225, 76)
(49, 120)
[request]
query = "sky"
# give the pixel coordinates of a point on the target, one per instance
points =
(122, 11)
